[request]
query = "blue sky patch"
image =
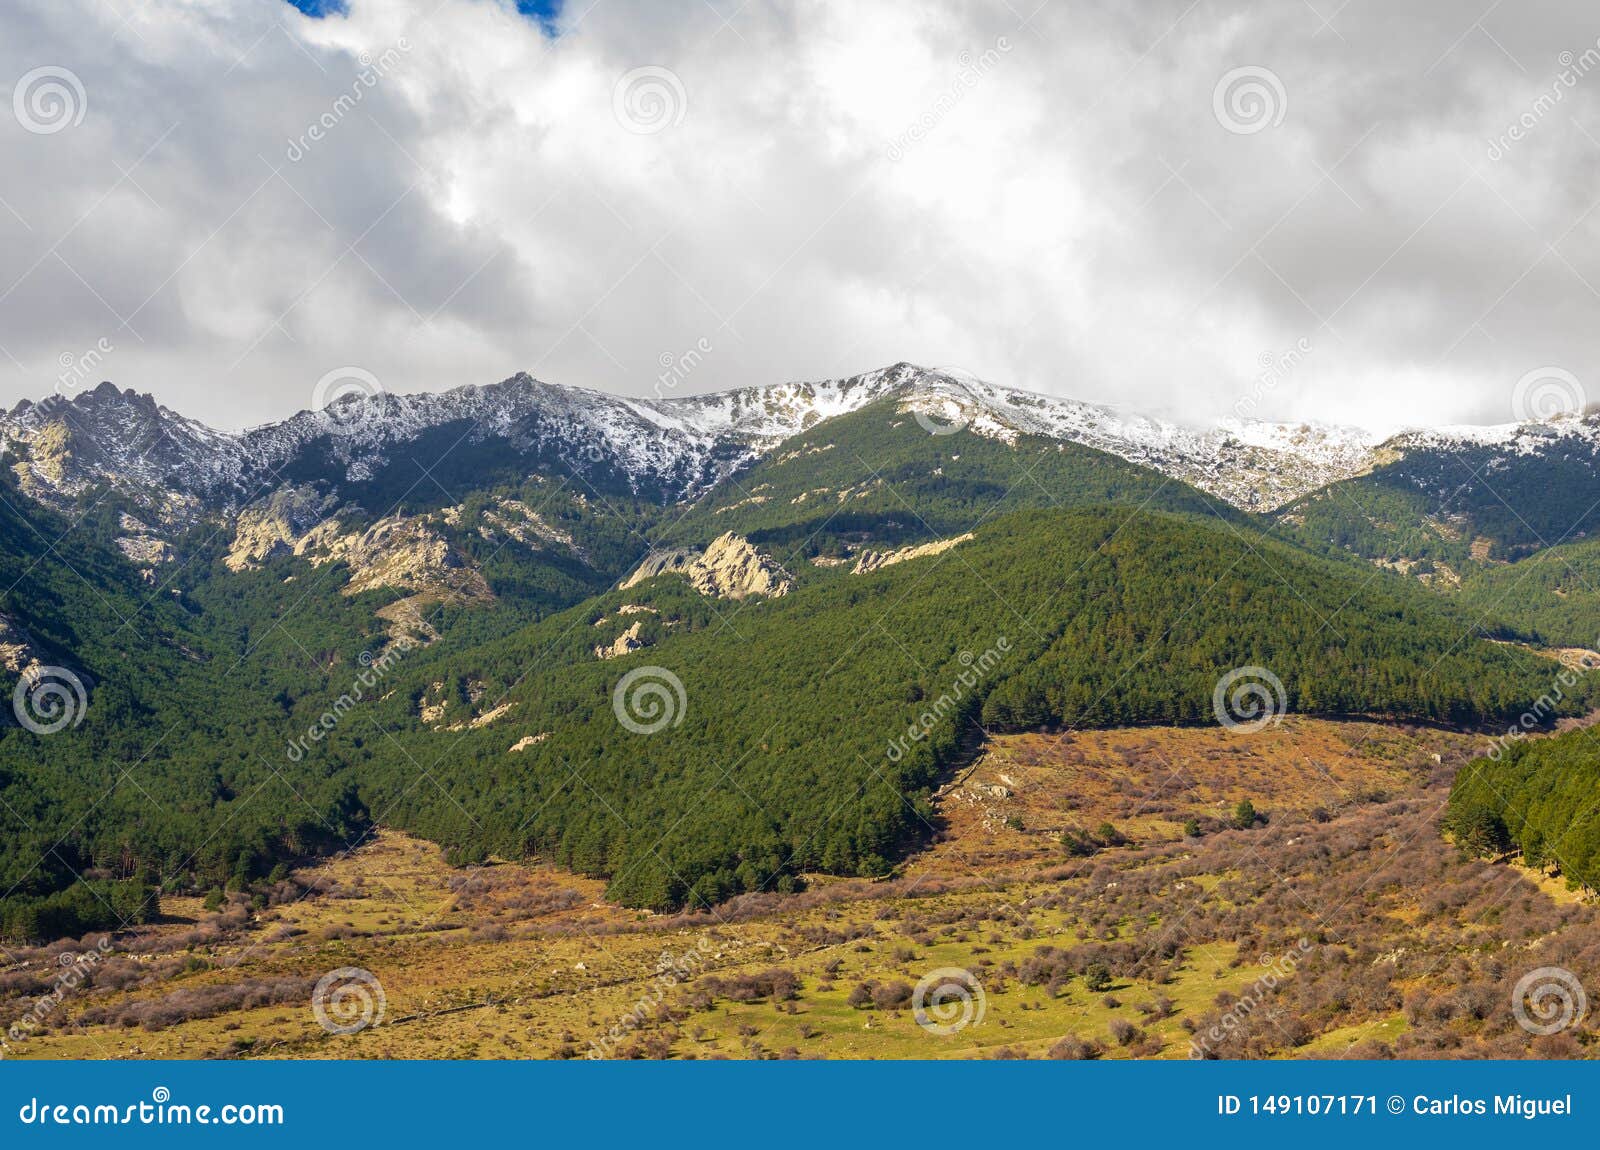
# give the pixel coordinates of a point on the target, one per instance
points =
(542, 11)
(319, 8)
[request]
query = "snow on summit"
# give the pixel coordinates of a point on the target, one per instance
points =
(679, 445)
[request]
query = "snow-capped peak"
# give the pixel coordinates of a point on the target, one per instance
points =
(1251, 463)
(674, 446)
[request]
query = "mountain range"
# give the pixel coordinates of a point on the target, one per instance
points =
(675, 448)
(798, 572)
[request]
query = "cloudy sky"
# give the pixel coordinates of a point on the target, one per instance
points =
(222, 201)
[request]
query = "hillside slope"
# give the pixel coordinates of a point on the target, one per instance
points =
(1463, 496)
(794, 736)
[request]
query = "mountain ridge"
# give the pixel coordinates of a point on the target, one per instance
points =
(675, 447)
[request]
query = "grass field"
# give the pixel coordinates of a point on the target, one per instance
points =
(1340, 919)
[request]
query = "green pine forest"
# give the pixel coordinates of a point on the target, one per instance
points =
(1093, 593)
(1537, 799)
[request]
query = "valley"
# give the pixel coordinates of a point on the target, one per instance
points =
(498, 699)
(1341, 917)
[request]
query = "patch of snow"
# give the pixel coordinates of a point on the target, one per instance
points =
(181, 470)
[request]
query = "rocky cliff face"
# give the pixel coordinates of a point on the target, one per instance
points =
(278, 525)
(624, 644)
(119, 439)
(660, 563)
(873, 560)
(730, 567)
(17, 652)
(142, 546)
(398, 552)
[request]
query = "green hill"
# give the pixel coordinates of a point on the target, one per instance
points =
(1437, 503)
(235, 719)
(1552, 596)
(878, 476)
(793, 748)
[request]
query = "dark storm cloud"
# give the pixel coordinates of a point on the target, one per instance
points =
(1066, 202)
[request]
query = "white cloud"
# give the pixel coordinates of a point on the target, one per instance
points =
(1052, 205)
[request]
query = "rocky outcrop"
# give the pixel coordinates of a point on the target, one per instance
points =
(433, 703)
(1428, 572)
(275, 526)
(516, 520)
(874, 560)
(438, 701)
(751, 501)
(20, 656)
(628, 609)
(624, 643)
(50, 471)
(398, 552)
(145, 550)
(406, 620)
(494, 714)
(731, 567)
(17, 652)
(659, 563)
(527, 741)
